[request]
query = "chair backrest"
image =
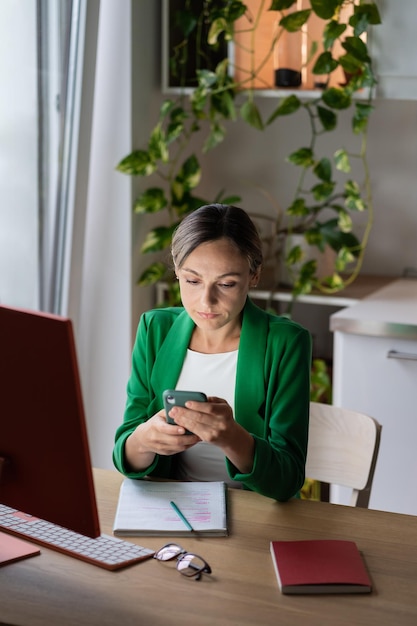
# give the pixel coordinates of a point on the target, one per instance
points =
(343, 449)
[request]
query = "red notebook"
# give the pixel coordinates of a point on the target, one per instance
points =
(13, 549)
(319, 566)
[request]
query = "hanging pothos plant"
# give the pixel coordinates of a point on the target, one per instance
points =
(209, 99)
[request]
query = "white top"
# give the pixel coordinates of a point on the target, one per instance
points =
(215, 375)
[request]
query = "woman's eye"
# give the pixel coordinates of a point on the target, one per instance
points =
(191, 282)
(228, 285)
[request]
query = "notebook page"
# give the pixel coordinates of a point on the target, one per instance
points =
(144, 507)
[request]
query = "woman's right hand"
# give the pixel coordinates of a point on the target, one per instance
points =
(156, 436)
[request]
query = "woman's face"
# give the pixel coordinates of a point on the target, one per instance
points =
(214, 282)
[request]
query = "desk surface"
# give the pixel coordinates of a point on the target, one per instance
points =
(55, 589)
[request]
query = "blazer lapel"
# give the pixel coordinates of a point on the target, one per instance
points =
(250, 382)
(171, 355)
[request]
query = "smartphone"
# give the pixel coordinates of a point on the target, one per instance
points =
(174, 397)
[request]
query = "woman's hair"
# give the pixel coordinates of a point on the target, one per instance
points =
(215, 221)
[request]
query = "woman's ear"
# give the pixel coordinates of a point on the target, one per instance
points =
(255, 278)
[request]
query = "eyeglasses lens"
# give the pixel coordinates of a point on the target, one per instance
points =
(168, 552)
(191, 565)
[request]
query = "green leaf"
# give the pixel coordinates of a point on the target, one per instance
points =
(360, 119)
(157, 145)
(178, 115)
(174, 130)
(198, 100)
(186, 21)
(138, 163)
(295, 21)
(303, 157)
(312, 52)
(294, 255)
(298, 208)
(286, 107)
(325, 64)
(151, 201)
(325, 9)
(355, 203)
(222, 70)
(352, 188)
(323, 170)
(223, 103)
(337, 239)
(233, 9)
(345, 222)
(152, 274)
(314, 238)
(342, 161)
(359, 125)
(166, 107)
(357, 48)
(188, 204)
(332, 31)
(281, 5)
(158, 239)
(206, 78)
(228, 199)
(305, 280)
(363, 16)
(350, 64)
(216, 136)
(321, 382)
(363, 110)
(335, 282)
(353, 199)
(327, 118)
(336, 98)
(190, 173)
(323, 190)
(217, 28)
(250, 113)
(344, 257)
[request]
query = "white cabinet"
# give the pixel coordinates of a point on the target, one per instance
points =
(375, 371)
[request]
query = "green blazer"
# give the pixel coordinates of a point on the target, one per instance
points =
(271, 400)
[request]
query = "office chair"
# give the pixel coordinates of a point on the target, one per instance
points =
(343, 449)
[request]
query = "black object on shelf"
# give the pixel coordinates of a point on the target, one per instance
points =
(287, 78)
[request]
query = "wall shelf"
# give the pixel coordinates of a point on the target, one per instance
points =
(362, 287)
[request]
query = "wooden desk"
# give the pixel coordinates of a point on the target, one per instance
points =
(57, 590)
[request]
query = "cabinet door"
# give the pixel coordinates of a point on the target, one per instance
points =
(368, 379)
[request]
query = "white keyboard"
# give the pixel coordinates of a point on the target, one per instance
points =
(105, 551)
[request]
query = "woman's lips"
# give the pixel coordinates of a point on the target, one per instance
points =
(207, 316)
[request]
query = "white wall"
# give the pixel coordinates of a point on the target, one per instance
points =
(126, 44)
(103, 336)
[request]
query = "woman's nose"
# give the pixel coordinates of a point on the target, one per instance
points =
(209, 295)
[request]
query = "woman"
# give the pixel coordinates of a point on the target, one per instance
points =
(253, 366)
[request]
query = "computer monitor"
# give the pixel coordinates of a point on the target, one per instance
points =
(45, 466)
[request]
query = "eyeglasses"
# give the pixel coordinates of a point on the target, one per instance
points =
(188, 564)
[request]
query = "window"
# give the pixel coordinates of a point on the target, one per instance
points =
(40, 60)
